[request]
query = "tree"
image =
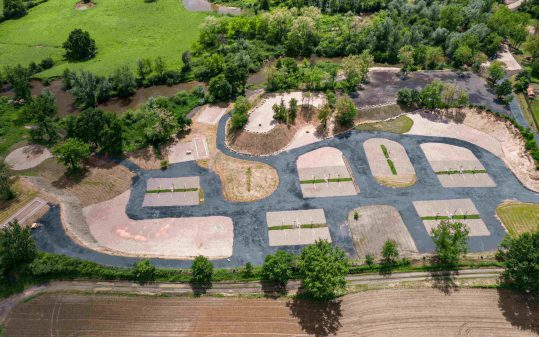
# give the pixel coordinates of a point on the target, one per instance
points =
(19, 78)
(186, 60)
(431, 95)
(89, 90)
(160, 124)
(279, 112)
(303, 36)
(324, 114)
(144, 68)
(355, 69)
(14, 9)
(71, 153)
(532, 45)
(323, 270)
(496, 72)
(346, 111)
(451, 241)
(101, 130)
(277, 268)
(503, 89)
(79, 46)
(406, 57)
(17, 249)
(239, 115)
(219, 88)
(409, 97)
(6, 192)
(143, 271)
(390, 252)
(292, 110)
(521, 258)
(123, 82)
(160, 67)
(464, 55)
(201, 270)
(42, 110)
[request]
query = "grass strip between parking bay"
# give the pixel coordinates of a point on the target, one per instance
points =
(461, 172)
(305, 226)
(454, 217)
(176, 190)
(321, 181)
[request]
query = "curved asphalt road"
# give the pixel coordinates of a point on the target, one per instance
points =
(250, 229)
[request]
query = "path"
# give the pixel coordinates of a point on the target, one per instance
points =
(223, 288)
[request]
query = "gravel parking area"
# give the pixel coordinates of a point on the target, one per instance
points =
(211, 114)
(296, 235)
(172, 183)
(446, 208)
(456, 166)
(196, 149)
(184, 238)
(404, 173)
(375, 225)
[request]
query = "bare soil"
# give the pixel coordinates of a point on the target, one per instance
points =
(81, 5)
(277, 139)
(404, 312)
(27, 157)
(245, 180)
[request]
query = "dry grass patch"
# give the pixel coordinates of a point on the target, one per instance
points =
(145, 158)
(519, 217)
(245, 180)
(401, 124)
(24, 193)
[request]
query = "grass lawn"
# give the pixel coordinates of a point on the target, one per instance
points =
(401, 124)
(12, 129)
(124, 30)
(519, 217)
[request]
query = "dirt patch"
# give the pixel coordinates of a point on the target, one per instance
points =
(483, 129)
(27, 157)
(245, 180)
(181, 151)
(280, 137)
(390, 312)
(376, 224)
(81, 5)
(261, 117)
(211, 114)
(389, 163)
(166, 238)
(145, 158)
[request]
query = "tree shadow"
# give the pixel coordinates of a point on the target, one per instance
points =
(200, 288)
(520, 309)
(272, 290)
(445, 281)
(317, 318)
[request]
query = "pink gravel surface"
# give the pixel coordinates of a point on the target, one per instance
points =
(210, 114)
(322, 157)
(27, 157)
(168, 237)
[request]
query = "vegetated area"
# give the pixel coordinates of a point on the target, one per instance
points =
(401, 124)
(124, 31)
(519, 217)
(482, 311)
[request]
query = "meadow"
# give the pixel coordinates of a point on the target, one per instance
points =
(124, 30)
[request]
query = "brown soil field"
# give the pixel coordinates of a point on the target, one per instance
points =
(407, 312)
(275, 140)
(245, 180)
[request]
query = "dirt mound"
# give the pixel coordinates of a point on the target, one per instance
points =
(82, 6)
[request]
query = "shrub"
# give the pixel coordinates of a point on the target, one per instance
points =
(521, 258)
(390, 252)
(14, 9)
(277, 268)
(202, 270)
(143, 271)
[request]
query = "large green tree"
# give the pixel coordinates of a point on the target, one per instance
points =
(79, 46)
(323, 270)
(345, 111)
(201, 270)
(277, 268)
(451, 241)
(72, 152)
(14, 9)
(6, 192)
(42, 111)
(17, 248)
(521, 259)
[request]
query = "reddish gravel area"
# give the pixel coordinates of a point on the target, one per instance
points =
(406, 312)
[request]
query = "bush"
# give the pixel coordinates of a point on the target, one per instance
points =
(143, 271)
(79, 46)
(17, 249)
(390, 252)
(201, 270)
(277, 268)
(14, 9)
(521, 258)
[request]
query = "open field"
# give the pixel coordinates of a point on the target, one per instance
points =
(375, 225)
(409, 312)
(519, 217)
(124, 30)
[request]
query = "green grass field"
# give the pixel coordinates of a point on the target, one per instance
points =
(401, 124)
(519, 217)
(124, 30)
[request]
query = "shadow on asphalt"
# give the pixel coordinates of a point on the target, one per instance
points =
(317, 318)
(520, 309)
